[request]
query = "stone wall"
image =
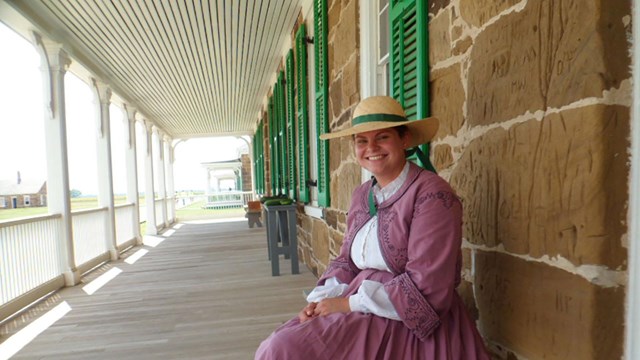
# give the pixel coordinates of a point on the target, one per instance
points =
(534, 100)
(320, 240)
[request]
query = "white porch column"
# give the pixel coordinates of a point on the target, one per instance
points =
(132, 168)
(162, 189)
(55, 63)
(149, 190)
(208, 188)
(102, 97)
(170, 181)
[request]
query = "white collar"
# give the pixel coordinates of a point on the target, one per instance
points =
(386, 192)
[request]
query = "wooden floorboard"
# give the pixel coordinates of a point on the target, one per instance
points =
(205, 292)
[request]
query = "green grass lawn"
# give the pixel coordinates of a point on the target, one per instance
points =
(196, 212)
(76, 204)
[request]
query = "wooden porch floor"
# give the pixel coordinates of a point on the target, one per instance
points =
(205, 292)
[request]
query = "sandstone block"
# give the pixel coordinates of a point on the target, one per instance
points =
(437, 5)
(320, 241)
(477, 13)
(542, 312)
(334, 8)
(345, 41)
(335, 99)
(447, 100)
(350, 80)
(461, 46)
(441, 156)
(535, 59)
(439, 39)
(555, 187)
(343, 184)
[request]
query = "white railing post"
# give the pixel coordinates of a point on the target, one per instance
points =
(149, 192)
(102, 96)
(170, 183)
(132, 169)
(55, 62)
(162, 188)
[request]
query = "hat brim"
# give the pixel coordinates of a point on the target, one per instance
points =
(422, 131)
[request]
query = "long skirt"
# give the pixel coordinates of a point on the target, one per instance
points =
(357, 335)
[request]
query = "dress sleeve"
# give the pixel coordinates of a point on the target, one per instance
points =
(373, 298)
(423, 293)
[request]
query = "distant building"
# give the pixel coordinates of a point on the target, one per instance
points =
(19, 194)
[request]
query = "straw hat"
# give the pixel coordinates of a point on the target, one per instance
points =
(381, 112)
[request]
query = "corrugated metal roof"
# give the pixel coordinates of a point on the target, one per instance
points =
(195, 68)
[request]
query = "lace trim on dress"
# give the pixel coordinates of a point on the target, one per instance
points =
(418, 315)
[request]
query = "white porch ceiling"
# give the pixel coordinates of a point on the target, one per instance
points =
(194, 68)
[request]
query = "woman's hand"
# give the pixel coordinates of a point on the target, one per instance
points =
(307, 312)
(332, 305)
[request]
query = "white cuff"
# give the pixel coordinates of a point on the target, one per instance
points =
(373, 298)
(331, 288)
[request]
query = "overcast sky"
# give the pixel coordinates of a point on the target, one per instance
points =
(22, 116)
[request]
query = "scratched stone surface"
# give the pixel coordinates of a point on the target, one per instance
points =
(555, 187)
(552, 53)
(439, 37)
(447, 100)
(477, 13)
(542, 312)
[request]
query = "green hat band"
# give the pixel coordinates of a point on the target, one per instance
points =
(377, 117)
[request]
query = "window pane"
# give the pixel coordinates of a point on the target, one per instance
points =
(383, 33)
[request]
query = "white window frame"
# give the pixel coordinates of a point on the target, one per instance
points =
(369, 57)
(313, 209)
(3, 202)
(26, 200)
(632, 345)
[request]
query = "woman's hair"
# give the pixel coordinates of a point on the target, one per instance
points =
(402, 130)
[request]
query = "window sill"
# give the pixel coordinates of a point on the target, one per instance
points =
(313, 211)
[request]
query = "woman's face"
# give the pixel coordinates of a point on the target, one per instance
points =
(382, 153)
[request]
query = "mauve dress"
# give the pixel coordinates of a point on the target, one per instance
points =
(419, 232)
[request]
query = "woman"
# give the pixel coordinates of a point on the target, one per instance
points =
(390, 294)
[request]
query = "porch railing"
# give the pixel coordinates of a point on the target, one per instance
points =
(32, 256)
(31, 261)
(159, 213)
(125, 224)
(90, 241)
(228, 199)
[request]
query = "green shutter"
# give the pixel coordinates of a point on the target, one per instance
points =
(259, 159)
(282, 136)
(322, 99)
(302, 114)
(409, 59)
(273, 142)
(255, 161)
(291, 128)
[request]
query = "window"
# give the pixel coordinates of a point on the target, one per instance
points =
(302, 115)
(382, 53)
(27, 200)
(290, 153)
(409, 60)
(258, 158)
(3, 202)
